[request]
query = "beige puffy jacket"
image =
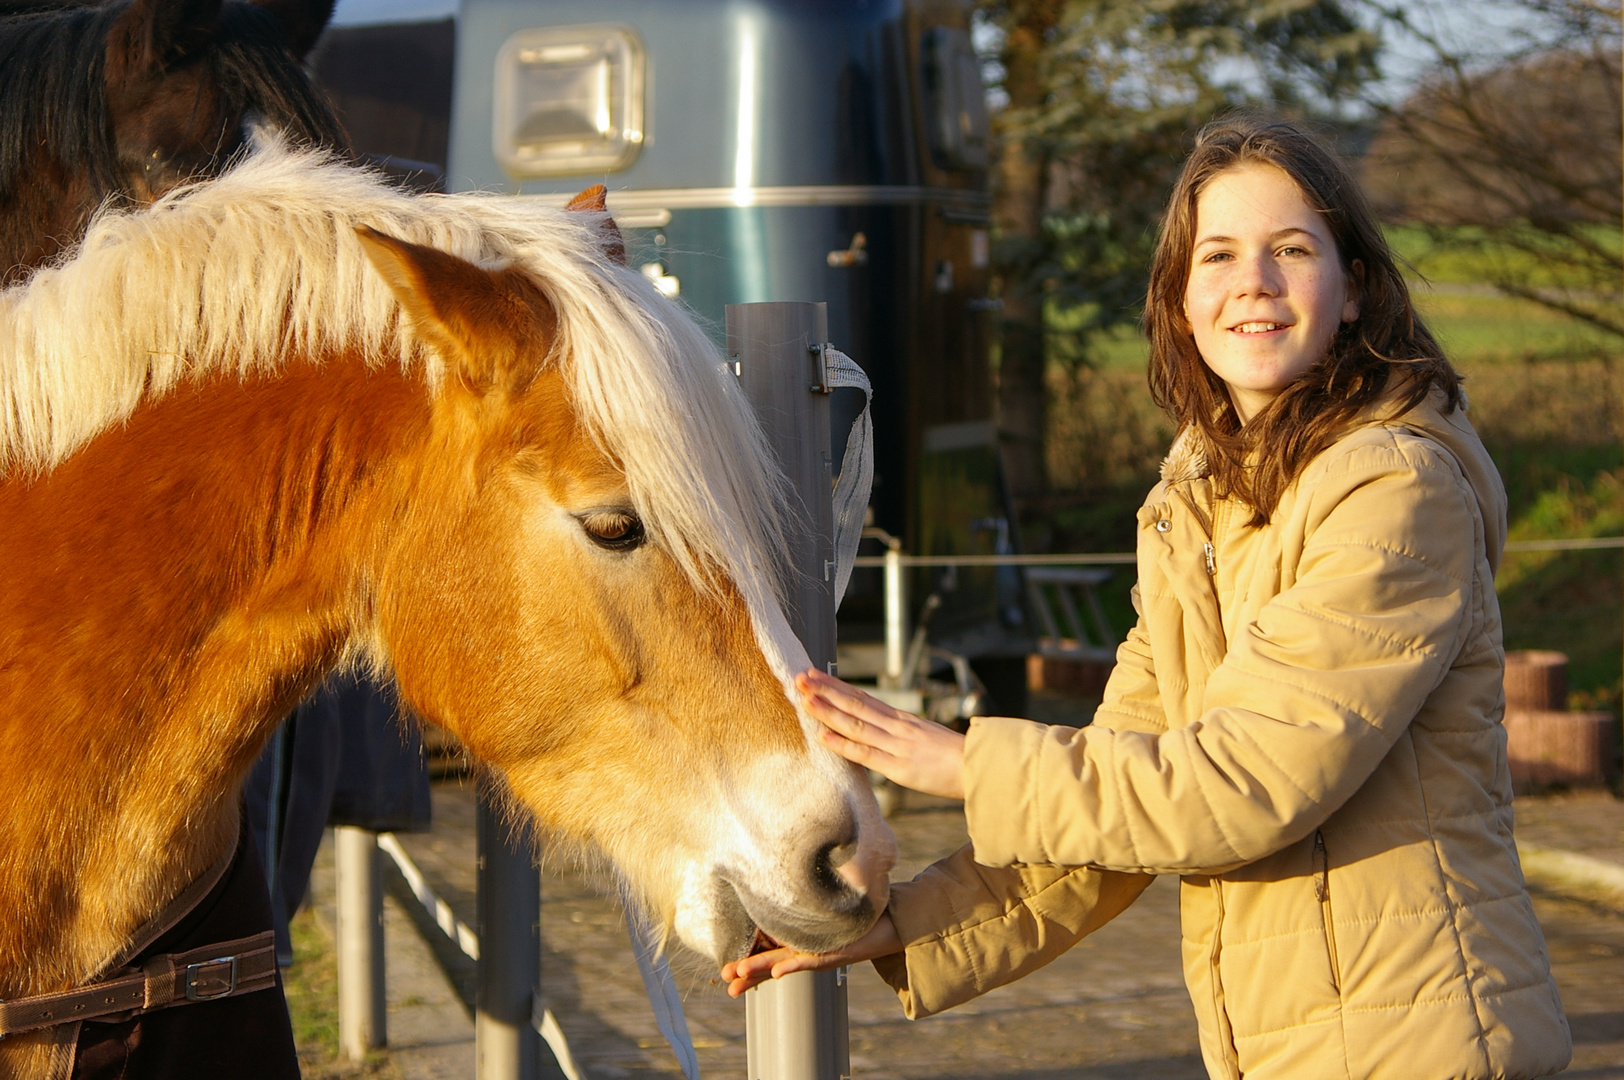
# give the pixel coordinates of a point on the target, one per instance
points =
(1304, 725)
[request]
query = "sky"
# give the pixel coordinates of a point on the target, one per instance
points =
(1484, 29)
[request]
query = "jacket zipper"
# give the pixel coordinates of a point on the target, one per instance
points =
(1322, 893)
(1208, 551)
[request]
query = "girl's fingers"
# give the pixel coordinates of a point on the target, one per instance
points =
(741, 975)
(854, 751)
(848, 698)
(752, 971)
(859, 718)
(799, 962)
(832, 716)
(915, 753)
(858, 741)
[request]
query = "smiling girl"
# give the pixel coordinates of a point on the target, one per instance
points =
(1304, 725)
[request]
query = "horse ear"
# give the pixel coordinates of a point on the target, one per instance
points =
(153, 34)
(304, 20)
(595, 200)
(490, 325)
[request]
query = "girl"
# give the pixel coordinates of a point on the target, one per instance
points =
(1305, 723)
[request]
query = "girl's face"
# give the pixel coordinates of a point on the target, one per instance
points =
(1267, 290)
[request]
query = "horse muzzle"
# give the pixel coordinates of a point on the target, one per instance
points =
(822, 904)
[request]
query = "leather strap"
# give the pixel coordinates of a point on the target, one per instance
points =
(154, 928)
(176, 910)
(202, 974)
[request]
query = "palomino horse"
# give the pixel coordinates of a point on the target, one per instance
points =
(293, 419)
(127, 100)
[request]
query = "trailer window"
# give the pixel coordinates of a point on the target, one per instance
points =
(569, 100)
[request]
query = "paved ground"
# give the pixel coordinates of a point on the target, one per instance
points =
(1114, 1007)
(1104, 1005)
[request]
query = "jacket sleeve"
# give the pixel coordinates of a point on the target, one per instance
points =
(968, 928)
(1132, 700)
(1308, 699)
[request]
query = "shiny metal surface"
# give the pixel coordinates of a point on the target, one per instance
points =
(738, 95)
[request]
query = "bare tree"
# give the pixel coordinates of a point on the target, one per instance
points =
(1103, 97)
(1510, 146)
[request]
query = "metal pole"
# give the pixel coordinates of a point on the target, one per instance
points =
(896, 617)
(796, 1026)
(362, 1006)
(506, 1045)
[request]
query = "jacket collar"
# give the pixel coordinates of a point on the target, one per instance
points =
(1187, 458)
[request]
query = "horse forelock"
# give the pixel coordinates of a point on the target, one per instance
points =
(53, 89)
(52, 92)
(239, 275)
(259, 75)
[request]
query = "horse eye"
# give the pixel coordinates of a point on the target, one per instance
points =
(613, 530)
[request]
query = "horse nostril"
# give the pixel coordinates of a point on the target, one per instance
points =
(827, 862)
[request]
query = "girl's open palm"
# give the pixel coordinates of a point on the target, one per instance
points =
(903, 748)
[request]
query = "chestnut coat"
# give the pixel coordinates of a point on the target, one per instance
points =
(1305, 727)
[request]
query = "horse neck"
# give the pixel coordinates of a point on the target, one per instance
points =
(166, 595)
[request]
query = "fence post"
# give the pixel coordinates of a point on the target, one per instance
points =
(506, 1045)
(896, 616)
(362, 1005)
(796, 1026)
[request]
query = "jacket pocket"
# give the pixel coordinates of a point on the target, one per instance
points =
(1322, 893)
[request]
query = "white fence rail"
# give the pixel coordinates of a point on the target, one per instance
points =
(1126, 558)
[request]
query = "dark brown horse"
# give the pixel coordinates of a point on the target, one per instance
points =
(127, 100)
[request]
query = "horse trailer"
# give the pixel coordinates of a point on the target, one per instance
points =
(754, 150)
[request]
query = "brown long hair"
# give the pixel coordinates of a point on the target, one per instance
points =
(1387, 349)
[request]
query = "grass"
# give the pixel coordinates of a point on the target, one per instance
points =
(1554, 430)
(311, 985)
(1545, 394)
(1470, 257)
(1478, 327)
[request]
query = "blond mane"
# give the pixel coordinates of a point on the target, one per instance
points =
(240, 274)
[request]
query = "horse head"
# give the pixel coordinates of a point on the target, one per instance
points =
(185, 78)
(128, 101)
(631, 689)
(473, 451)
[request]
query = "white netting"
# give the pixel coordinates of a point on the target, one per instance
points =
(856, 467)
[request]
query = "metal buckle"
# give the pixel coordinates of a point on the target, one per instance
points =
(207, 969)
(820, 367)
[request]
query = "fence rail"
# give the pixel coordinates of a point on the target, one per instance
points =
(1594, 543)
(1126, 558)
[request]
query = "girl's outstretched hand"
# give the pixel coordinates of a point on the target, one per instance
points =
(903, 748)
(741, 975)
